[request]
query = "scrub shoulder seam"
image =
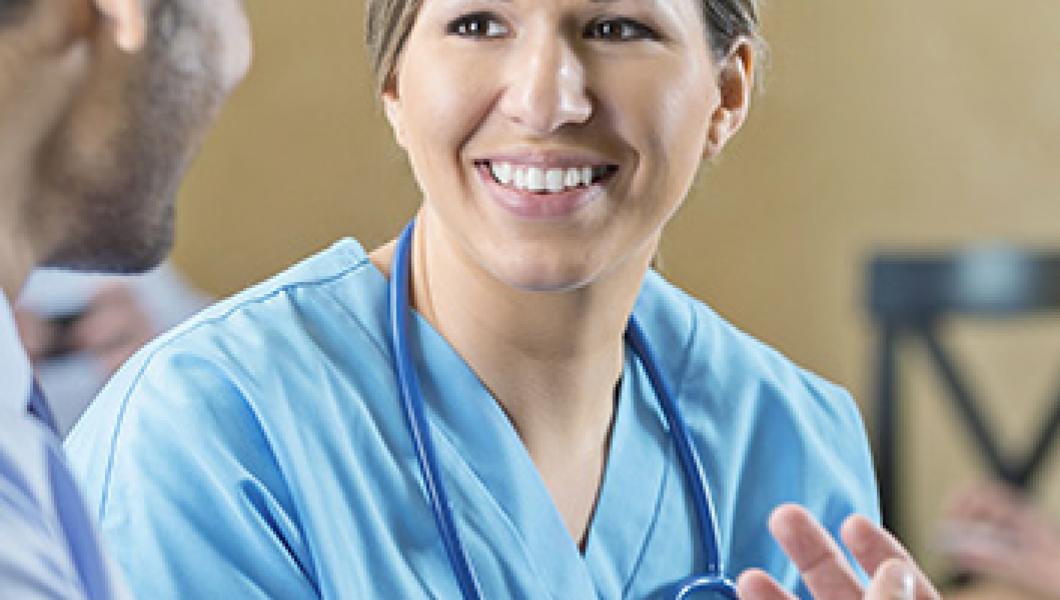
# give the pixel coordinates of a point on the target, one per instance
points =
(198, 323)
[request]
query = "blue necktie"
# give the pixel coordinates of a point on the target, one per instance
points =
(70, 509)
(38, 407)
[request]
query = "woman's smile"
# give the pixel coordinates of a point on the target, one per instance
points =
(545, 185)
(553, 139)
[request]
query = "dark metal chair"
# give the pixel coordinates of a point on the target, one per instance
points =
(910, 296)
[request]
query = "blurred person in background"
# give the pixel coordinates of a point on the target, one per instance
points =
(997, 532)
(78, 328)
(102, 104)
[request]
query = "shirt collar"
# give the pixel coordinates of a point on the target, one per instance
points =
(15, 367)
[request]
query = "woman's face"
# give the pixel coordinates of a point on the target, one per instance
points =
(553, 139)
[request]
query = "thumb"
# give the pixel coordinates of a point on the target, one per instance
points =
(895, 579)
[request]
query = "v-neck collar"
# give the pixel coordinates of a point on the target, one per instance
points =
(630, 494)
(481, 453)
(468, 419)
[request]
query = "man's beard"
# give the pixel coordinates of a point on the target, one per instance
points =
(112, 240)
(117, 188)
(118, 202)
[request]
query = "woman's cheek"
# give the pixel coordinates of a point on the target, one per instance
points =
(454, 101)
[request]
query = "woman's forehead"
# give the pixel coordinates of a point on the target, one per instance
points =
(665, 5)
(682, 11)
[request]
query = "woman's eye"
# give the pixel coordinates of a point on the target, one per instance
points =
(619, 30)
(477, 25)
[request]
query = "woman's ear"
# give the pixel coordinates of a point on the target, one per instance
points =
(125, 21)
(736, 76)
(392, 106)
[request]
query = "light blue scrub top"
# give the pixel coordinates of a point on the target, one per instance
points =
(260, 450)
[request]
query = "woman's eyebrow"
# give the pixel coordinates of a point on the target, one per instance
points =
(510, 1)
(590, 1)
(457, 2)
(635, 2)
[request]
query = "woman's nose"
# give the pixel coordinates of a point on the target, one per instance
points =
(546, 87)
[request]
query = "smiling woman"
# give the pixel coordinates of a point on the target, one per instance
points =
(506, 401)
(630, 95)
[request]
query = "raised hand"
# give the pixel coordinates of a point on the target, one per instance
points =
(992, 530)
(825, 569)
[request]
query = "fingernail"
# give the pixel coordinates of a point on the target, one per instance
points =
(904, 583)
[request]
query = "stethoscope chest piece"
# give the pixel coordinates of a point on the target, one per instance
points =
(703, 587)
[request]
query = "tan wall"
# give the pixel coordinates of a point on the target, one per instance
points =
(885, 124)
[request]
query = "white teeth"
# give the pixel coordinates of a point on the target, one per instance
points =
(502, 171)
(572, 177)
(540, 180)
(535, 179)
(554, 180)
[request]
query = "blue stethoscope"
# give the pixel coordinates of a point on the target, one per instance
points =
(713, 580)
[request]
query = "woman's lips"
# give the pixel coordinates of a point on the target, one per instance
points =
(543, 192)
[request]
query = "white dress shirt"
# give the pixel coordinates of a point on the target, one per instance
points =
(15, 370)
(48, 542)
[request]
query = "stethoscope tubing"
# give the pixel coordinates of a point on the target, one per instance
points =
(689, 458)
(419, 432)
(416, 420)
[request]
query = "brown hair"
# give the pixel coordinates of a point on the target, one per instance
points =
(390, 21)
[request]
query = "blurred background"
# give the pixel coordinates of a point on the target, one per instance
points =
(907, 126)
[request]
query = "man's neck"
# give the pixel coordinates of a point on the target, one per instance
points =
(34, 94)
(15, 265)
(17, 256)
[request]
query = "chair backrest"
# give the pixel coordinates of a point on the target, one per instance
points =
(910, 295)
(985, 281)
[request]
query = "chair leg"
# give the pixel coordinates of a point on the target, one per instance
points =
(886, 428)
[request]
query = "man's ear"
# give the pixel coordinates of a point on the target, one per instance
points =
(125, 21)
(392, 107)
(735, 82)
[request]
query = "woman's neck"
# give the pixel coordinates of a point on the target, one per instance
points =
(551, 359)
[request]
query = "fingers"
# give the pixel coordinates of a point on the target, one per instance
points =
(874, 548)
(870, 544)
(1028, 560)
(36, 333)
(114, 327)
(986, 527)
(895, 579)
(978, 550)
(994, 509)
(819, 559)
(985, 502)
(824, 567)
(755, 584)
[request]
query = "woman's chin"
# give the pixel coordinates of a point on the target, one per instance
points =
(543, 277)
